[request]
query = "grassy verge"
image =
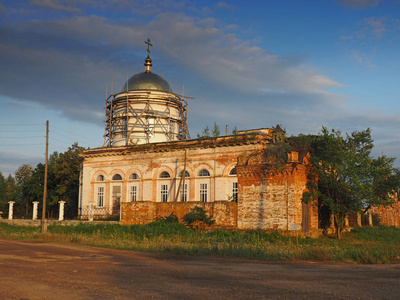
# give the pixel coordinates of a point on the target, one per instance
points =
(362, 245)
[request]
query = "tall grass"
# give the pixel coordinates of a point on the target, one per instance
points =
(362, 245)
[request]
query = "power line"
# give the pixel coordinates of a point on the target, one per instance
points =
(74, 134)
(61, 135)
(22, 124)
(20, 137)
(53, 145)
(55, 139)
(39, 130)
(17, 145)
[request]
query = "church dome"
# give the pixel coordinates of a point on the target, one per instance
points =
(147, 81)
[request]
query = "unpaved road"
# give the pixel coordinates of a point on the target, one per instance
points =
(31, 270)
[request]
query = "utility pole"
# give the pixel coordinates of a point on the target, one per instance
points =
(44, 224)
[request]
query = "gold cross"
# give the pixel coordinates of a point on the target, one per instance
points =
(148, 46)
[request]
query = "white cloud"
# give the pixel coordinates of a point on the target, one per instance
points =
(225, 6)
(223, 58)
(376, 25)
(362, 58)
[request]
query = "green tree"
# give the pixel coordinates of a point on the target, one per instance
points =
(345, 178)
(34, 187)
(234, 131)
(216, 132)
(205, 133)
(3, 193)
(22, 177)
(66, 173)
(10, 189)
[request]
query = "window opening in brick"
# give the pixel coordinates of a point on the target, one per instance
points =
(133, 193)
(234, 191)
(164, 174)
(187, 175)
(164, 193)
(100, 196)
(183, 193)
(100, 178)
(133, 176)
(203, 192)
(204, 173)
(117, 177)
(233, 172)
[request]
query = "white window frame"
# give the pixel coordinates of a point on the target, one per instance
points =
(233, 172)
(119, 177)
(100, 178)
(164, 192)
(235, 191)
(133, 176)
(204, 173)
(183, 192)
(100, 196)
(203, 192)
(133, 193)
(164, 175)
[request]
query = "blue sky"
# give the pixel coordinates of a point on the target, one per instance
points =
(249, 64)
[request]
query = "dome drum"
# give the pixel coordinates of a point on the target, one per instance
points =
(145, 116)
(145, 111)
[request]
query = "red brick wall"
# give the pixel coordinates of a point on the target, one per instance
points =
(270, 198)
(389, 215)
(224, 212)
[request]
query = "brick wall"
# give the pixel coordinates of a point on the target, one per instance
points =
(270, 198)
(224, 212)
(388, 215)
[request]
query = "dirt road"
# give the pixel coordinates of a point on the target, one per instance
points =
(30, 270)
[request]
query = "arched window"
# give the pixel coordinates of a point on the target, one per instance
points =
(204, 173)
(164, 175)
(187, 175)
(233, 172)
(117, 177)
(100, 178)
(133, 176)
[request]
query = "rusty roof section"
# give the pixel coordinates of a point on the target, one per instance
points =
(263, 136)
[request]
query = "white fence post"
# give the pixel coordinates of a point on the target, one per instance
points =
(90, 215)
(61, 211)
(35, 210)
(10, 209)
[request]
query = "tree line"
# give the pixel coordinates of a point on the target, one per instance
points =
(343, 176)
(27, 185)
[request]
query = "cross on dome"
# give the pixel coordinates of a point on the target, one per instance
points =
(148, 42)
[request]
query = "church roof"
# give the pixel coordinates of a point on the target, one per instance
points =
(147, 81)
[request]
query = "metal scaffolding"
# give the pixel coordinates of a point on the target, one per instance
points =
(143, 116)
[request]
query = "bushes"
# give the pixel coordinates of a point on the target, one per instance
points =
(197, 219)
(172, 218)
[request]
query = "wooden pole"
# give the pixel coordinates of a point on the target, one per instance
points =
(44, 225)
(184, 191)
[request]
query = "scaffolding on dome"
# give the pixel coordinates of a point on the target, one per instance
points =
(145, 116)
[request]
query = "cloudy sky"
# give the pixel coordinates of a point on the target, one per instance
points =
(249, 64)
